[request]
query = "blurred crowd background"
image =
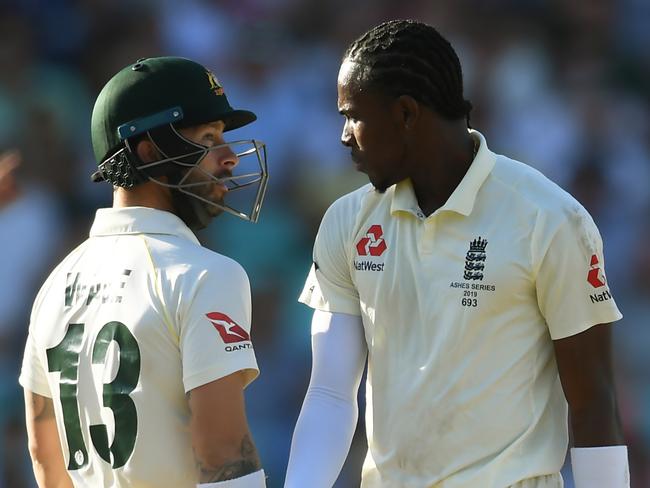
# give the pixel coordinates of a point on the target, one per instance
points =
(563, 85)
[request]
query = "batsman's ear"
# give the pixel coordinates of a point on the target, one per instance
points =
(146, 151)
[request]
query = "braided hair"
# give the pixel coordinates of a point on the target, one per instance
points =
(405, 57)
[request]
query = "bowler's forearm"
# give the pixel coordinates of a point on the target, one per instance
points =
(598, 425)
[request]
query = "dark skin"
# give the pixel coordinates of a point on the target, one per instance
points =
(584, 362)
(392, 139)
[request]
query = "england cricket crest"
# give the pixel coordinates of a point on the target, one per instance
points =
(475, 259)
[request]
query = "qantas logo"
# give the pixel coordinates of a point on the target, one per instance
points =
(228, 329)
(373, 243)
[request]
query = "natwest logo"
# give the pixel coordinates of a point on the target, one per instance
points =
(228, 329)
(373, 243)
(595, 276)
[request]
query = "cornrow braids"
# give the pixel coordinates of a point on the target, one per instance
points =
(405, 57)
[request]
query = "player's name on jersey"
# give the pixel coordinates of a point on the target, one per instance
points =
(84, 290)
(472, 286)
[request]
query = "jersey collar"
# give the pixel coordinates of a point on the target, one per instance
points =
(139, 220)
(463, 198)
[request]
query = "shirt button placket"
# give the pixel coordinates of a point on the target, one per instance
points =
(427, 235)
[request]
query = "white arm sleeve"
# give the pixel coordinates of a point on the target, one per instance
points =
(328, 418)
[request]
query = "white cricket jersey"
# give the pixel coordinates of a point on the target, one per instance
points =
(131, 320)
(459, 310)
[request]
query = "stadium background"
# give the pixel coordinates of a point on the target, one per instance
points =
(562, 85)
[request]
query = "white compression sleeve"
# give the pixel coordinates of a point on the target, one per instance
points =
(325, 427)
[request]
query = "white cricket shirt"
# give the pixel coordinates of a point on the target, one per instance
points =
(126, 324)
(459, 310)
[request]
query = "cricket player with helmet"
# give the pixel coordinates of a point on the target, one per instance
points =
(139, 344)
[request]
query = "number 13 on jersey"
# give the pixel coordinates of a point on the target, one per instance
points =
(65, 358)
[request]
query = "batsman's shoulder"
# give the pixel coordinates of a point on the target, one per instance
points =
(183, 269)
(207, 261)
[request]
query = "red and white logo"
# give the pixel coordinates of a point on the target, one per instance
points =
(373, 243)
(228, 329)
(595, 277)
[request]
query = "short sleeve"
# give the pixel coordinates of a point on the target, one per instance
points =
(329, 286)
(32, 374)
(572, 289)
(215, 328)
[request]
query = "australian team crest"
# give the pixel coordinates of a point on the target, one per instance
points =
(475, 259)
(215, 86)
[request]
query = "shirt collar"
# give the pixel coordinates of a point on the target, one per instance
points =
(139, 220)
(463, 198)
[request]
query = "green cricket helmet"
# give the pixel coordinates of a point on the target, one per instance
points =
(154, 97)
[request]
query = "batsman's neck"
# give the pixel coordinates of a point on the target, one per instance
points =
(147, 194)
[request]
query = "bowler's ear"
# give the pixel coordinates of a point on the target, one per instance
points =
(409, 110)
(146, 151)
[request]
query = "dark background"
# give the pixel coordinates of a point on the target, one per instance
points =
(561, 85)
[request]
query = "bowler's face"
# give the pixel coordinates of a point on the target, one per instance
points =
(371, 130)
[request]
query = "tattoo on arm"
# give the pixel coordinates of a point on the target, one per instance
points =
(247, 464)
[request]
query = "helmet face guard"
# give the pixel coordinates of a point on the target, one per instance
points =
(243, 190)
(247, 183)
(153, 98)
